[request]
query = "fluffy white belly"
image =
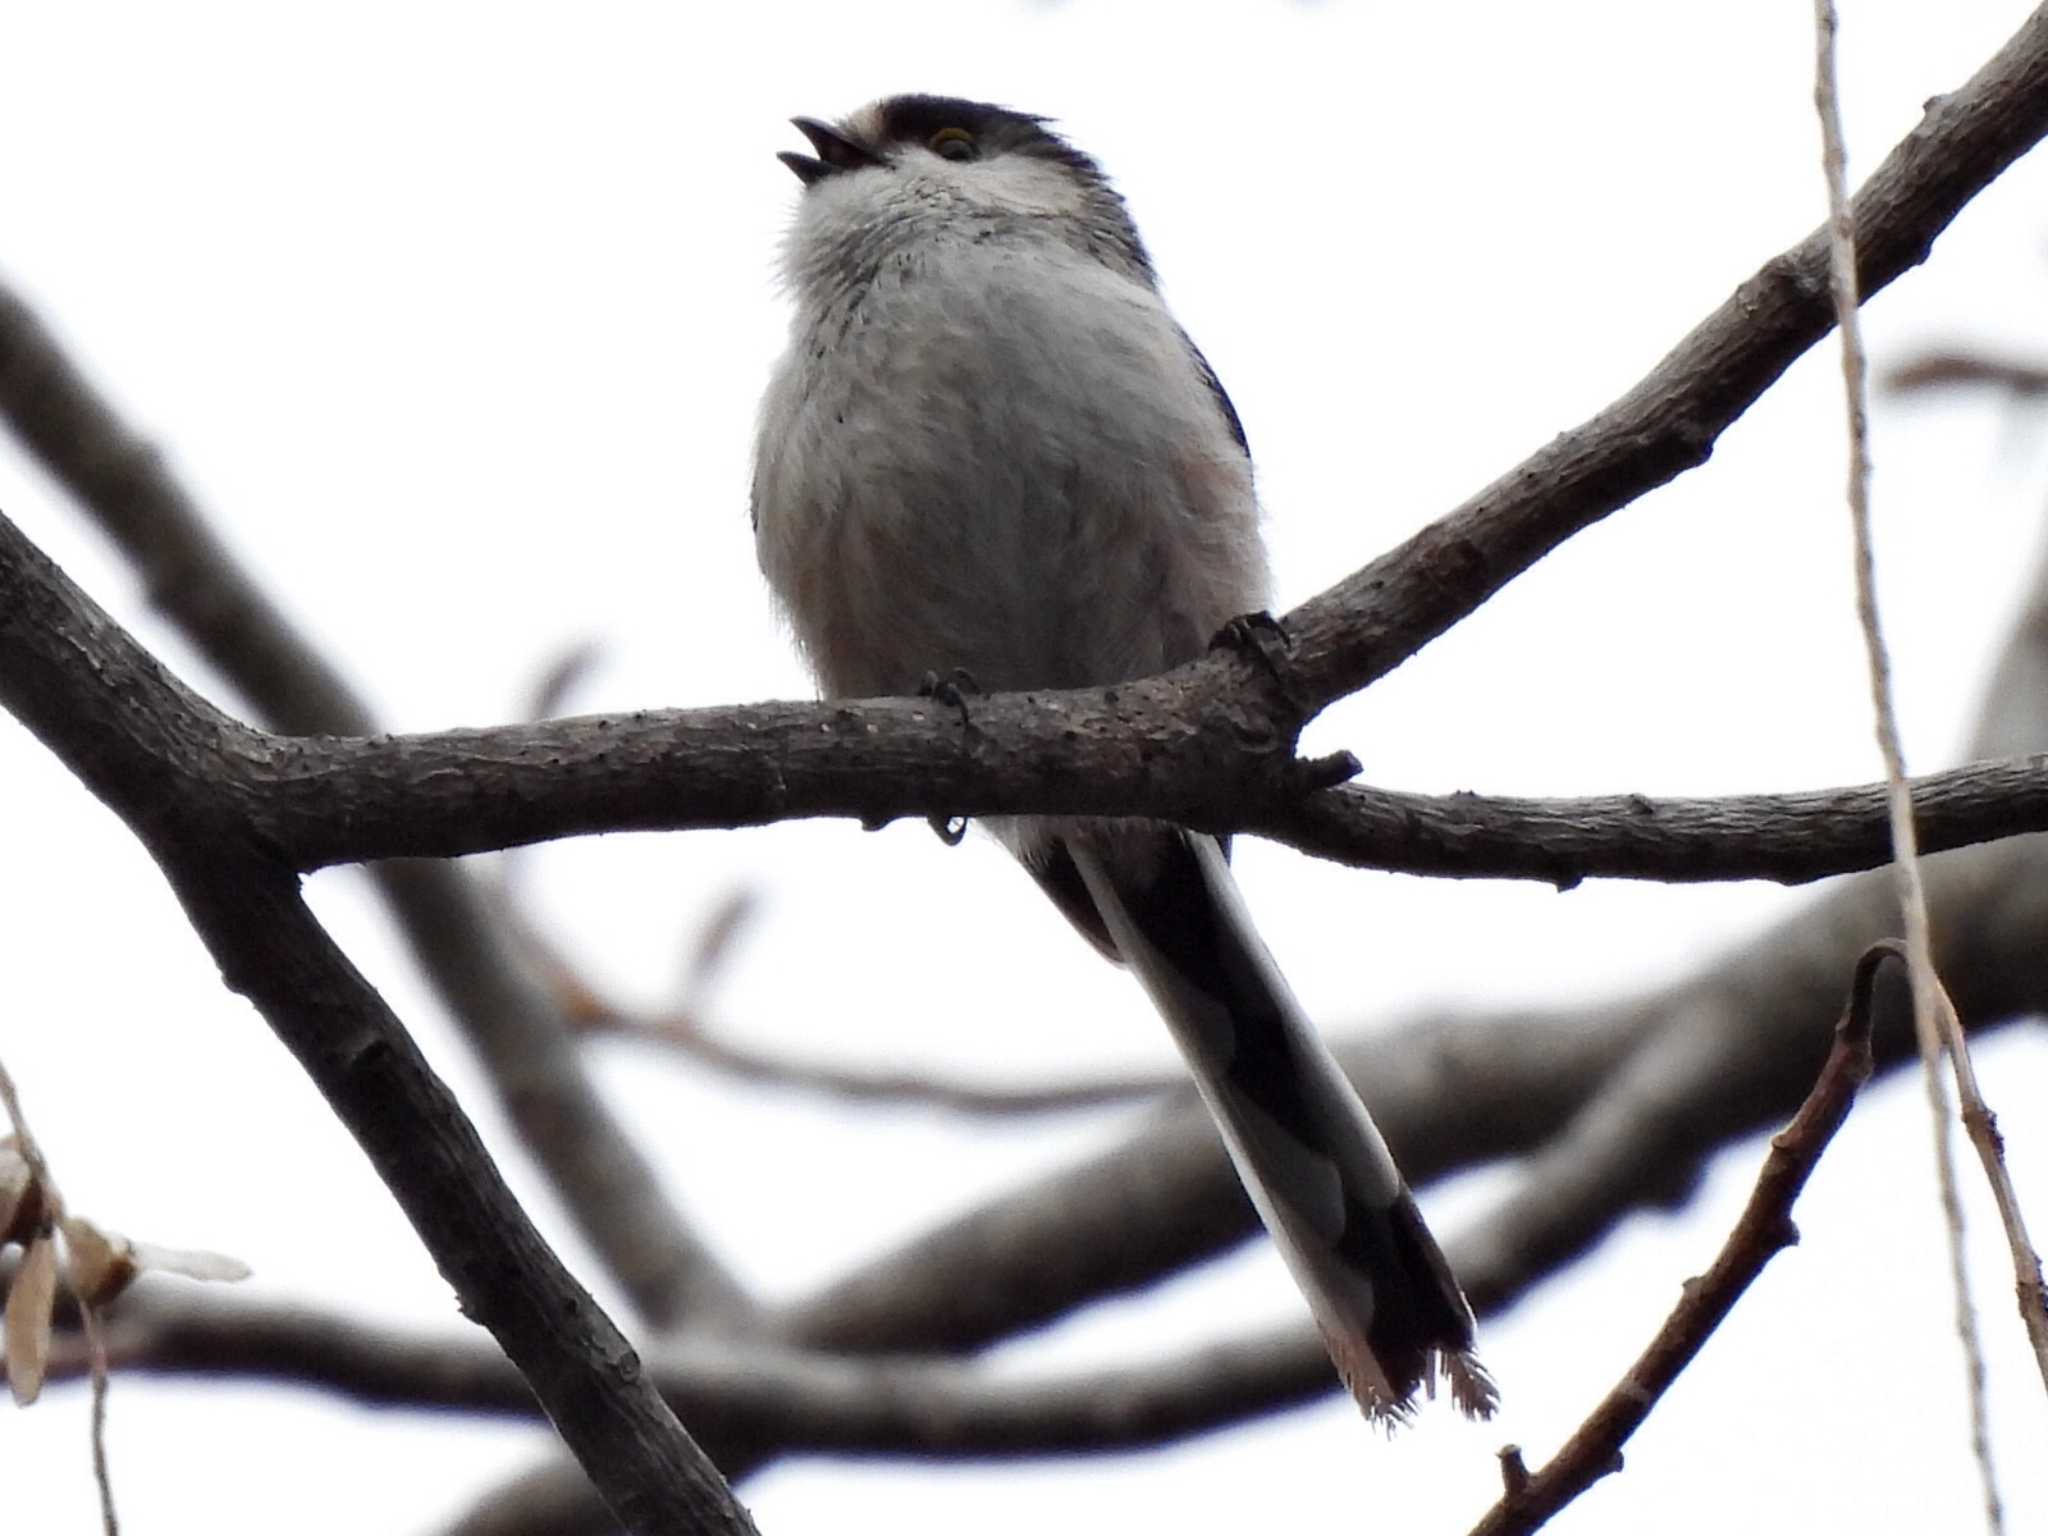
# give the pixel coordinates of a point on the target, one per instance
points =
(1004, 461)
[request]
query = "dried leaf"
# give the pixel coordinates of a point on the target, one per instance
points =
(29, 1304)
(21, 1196)
(101, 1264)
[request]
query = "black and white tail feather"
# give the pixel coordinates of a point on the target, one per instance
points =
(1391, 1315)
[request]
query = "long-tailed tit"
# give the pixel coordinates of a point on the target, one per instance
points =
(990, 450)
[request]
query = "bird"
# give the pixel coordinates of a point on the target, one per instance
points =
(989, 453)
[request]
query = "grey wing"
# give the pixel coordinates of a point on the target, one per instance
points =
(1054, 868)
(1216, 388)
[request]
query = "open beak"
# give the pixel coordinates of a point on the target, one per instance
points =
(836, 152)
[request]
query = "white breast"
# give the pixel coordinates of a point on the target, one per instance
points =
(986, 450)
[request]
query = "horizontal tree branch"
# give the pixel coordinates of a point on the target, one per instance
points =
(1788, 838)
(321, 801)
(2023, 378)
(800, 1401)
(733, 1391)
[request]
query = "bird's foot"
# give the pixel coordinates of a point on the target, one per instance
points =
(950, 829)
(1259, 636)
(953, 689)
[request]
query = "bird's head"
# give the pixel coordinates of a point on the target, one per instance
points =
(906, 167)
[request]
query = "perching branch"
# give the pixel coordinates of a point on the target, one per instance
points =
(321, 801)
(1947, 368)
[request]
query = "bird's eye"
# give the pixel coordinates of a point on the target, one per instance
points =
(953, 144)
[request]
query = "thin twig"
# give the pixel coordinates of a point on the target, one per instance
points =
(1949, 368)
(718, 938)
(1912, 889)
(682, 1027)
(95, 1343)
(1760, 1233)
(561, 678)
(96, 1357)
(1982, 1127)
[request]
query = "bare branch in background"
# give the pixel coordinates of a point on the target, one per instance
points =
(2022, 378)
(684, 1029)
(1763, 1231)
(1743, 1038)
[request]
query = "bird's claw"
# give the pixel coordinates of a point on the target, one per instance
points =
(1258, 635)
(953, 689)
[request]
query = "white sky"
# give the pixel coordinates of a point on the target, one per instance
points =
(455, 317)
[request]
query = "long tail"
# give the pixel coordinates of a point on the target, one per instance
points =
(1390, 1311)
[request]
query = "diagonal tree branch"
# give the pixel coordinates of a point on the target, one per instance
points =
(1763, 1231)
(605, 1184)
(112, 716)
(750, 1391)
(1372, 621)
